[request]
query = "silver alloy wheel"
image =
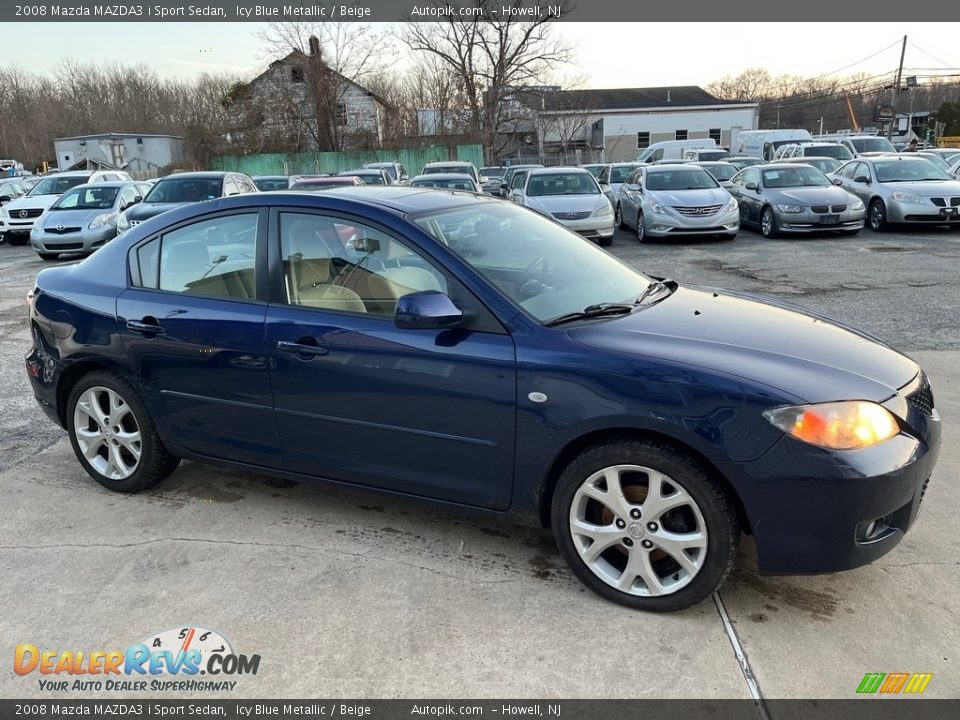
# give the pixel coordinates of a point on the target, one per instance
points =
(617, 217)
(876, 215)
(766, 222)
(641, 230)
(107, 433)
(634, 537)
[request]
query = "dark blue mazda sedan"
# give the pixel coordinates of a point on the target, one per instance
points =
(459, 348)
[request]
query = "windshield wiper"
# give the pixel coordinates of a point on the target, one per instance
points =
(591, 311)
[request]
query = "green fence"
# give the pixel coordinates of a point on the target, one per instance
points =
(332, 162)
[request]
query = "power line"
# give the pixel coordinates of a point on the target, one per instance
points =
(917, 47)
(868, 57)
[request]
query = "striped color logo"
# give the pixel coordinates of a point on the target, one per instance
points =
(894, 683)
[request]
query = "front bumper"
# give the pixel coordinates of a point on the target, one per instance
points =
(17, 226)
(84, 241)
(591, 227)
(808, 221)
(928, 213)
(811, 509)
(665, 224)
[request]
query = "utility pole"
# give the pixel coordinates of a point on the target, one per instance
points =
(896, 90)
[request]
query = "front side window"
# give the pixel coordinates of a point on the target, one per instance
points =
(212, 258)
(540, 265)
(519, 179)
(335, 264)
(620, 173)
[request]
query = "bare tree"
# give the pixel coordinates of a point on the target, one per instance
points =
(491, 56)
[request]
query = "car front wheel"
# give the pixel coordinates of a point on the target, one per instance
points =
(643, 524)
(113, 436)
(768, 223)
(641, 230)
(877, 216)
(618, 218)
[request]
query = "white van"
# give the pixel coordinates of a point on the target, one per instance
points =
(860, 144)
(764, 143)
(705, 154)
(673, 149)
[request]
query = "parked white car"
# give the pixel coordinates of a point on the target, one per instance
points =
(17, 218)
(572, 197)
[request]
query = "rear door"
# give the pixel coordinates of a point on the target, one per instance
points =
(424, 412)
(192, 324)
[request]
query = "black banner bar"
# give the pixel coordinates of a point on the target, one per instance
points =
(745, 11)
(873, 708)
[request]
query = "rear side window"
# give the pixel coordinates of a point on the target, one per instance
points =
(212, 258)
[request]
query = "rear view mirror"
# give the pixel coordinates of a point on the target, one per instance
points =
(366, 245)
(427, 310)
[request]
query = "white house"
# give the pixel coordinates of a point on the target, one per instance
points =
(140, 154)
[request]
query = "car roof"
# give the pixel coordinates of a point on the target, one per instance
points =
(670, 166)
(444, 176)
(705, 163)
(204, 175)
(269, 177)
(557, 169)
(793, 161)
(110, 184)
(778, 165)
(448, 162)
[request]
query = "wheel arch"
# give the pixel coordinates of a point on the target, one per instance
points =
(580, 444)
(72, 375)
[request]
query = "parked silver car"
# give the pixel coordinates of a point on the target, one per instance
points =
(676, 199)
(84, 218)
(823, 164)
(794, 198)
(614, 175)
(902, 189)
(571, 196)
(447, 181)
(721, 170)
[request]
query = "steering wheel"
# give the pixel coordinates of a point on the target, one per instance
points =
(537, 266)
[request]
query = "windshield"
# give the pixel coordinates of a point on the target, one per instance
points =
(795, 177)
(368, 178)
(680, 179)
(917, 170)
(540, 265)
(936, 160)
(620, 173)
(184, 190)
(741, 163)
(464, 183)
(838, 152)
(824, 165)
(89, 198)
(56, 185)
(721, 172)
(877, 144)
(593, 169)
(445, 169)
(268, 184)
(712, 154)
(561, 183)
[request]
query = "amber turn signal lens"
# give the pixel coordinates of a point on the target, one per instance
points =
(847, 425)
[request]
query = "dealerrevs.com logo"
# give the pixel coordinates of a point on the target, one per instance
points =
(187, 659)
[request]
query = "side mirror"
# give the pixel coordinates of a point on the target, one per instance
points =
(504, 186)
(427, 310)
(862, 179)
(837, 181)
(751, 186)
(136, 199)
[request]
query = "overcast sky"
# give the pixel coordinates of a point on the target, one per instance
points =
(607, 55)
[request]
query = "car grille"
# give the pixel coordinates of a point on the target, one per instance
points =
(61, 230)
(824, 209)
(922, 397)
(572, 215)
(942, 202)
(24, 214)
(65, 246)
(701, 211)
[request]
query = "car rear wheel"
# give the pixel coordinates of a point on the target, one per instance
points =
(48, 256)
(768, 223)
(113, 436)
(643, 524)
(877, 216)
(641, 230)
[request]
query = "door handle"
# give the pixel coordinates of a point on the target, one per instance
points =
(306, 351)
(145, 327)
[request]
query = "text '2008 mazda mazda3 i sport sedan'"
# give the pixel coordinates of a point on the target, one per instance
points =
(451, 346)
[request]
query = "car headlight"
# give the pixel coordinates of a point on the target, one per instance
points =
(857, 204)
(659, 208)
(605, 211)
(791, 208)
(123, 223)
(908, 198)
(101, 220)
(731, 206)
(845, 425)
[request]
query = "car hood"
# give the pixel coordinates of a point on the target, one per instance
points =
(688, 198)
(566, 203)
(73, 218)
(933, 188)
(766, 341)
(31, 203)
(144, 211)
(832, 195)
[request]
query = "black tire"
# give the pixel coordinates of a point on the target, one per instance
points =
(605, 242)
(641, 230)
(618, 219)
(18, 240)
(49, 257)
(682, 469)
(768, 223)
(877, 215)
(155, 463)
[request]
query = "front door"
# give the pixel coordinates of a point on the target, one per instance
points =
(424, 412)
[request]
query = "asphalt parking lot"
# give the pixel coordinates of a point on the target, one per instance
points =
(346, 594)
